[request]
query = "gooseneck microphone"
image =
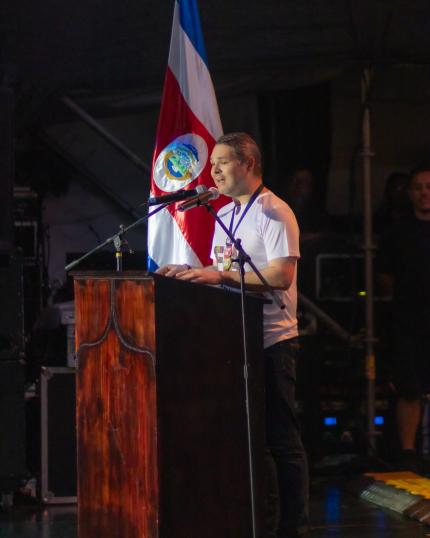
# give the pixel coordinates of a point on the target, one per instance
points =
(200, 199)
(177, 196)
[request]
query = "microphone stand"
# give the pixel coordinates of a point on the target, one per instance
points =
(243, 258)
(117, 240)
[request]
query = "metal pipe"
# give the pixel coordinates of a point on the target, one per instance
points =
(368, 248)
(104, 133)
(90, 177)
(325, 319)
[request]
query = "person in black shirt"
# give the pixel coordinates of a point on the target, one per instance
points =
(403, 264)
(396, 204)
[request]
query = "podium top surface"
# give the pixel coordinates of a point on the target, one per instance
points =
(113, 275)
(145, 276)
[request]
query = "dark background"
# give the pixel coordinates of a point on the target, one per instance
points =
(285, 71)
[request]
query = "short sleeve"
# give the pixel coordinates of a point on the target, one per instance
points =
(280, 231)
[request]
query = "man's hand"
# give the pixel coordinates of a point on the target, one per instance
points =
(279, 274)
(201, 276)
(171, 269)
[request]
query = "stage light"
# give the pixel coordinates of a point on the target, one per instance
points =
(330, 421)
(379, 421)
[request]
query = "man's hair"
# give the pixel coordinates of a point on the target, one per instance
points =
(243, 146)
(422, 167)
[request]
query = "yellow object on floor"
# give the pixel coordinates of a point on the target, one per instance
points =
(406, 480)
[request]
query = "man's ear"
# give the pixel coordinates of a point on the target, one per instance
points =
(250, 163)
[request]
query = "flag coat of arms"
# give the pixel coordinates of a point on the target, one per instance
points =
(188, 127)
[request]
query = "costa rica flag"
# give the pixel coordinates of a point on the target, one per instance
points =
(188, 127)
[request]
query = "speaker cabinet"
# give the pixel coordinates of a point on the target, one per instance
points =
(12, 306)
(12, 425)
(58, 435)
(6, 169)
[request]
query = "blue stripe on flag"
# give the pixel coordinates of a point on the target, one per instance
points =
(151, 265)
(190, 22)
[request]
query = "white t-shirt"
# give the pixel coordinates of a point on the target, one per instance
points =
(269, 230)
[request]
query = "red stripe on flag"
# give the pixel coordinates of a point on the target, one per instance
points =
(176, 119)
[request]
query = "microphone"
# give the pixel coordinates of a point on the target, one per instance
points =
(200, 199)
(177, 196)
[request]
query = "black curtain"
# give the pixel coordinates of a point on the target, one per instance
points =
(295, 128)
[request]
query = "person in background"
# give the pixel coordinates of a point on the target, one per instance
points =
(403, 267)
(301, 197)
(396, 203)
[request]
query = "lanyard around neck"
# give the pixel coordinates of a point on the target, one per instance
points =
(248, 206)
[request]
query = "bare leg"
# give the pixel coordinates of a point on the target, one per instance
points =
(408, 420)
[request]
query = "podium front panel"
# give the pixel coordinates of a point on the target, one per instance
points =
(161, 418)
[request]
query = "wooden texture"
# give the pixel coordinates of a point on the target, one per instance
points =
(162, 438)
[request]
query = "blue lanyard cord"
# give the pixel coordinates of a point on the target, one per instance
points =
(248, 206)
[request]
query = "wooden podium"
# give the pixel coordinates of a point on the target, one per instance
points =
(161, 419)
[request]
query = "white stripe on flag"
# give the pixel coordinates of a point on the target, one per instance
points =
(166, 242)
(194, 79)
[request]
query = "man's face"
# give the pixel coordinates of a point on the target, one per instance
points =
(228, 173)
(303, 183)
(419, 192)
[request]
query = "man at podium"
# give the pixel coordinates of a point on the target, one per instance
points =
(269, 234)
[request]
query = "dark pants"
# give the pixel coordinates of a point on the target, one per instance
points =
(288, 495)
(410, 358)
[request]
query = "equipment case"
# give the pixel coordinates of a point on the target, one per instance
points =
(58, 435)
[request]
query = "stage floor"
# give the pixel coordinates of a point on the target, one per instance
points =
(335, 512)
